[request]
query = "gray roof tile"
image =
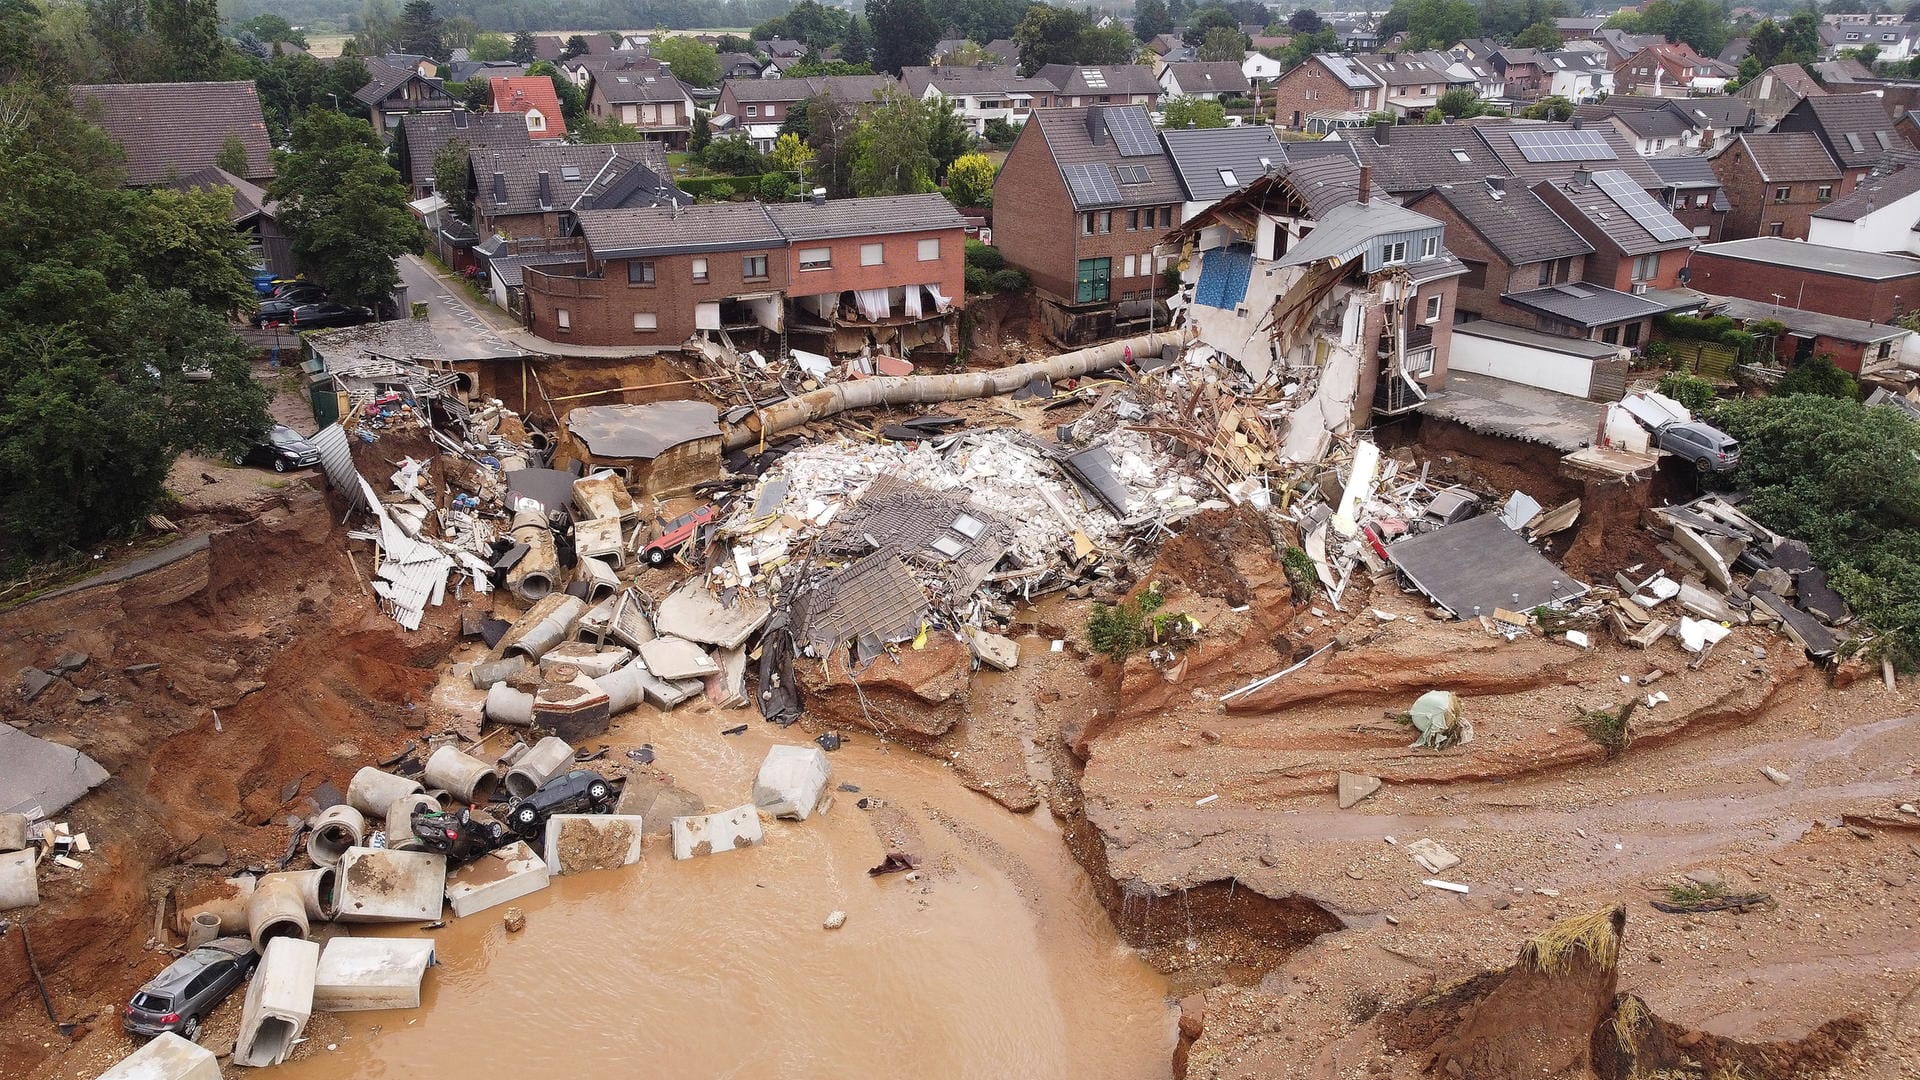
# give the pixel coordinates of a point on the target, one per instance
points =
(172, 129)
(618, 234)
(1875, 193)
(1585, 305)
(1209, 76)
(1517, 224)
(1068, 139)
(1606, 214)
(1418, 156)
(426, 134)
(1199, 155)
(866, 217)
(519, 167)
(1115, 79)
(1499, 138)
(1790, 155)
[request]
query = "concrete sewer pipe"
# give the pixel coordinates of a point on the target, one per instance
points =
(926, 389)
(400, 835)
(542, 627)
(276, 909)
(469, 779)
(334, 830)
(537, 574)
(319, 892)
(549, 758)
(372, 791)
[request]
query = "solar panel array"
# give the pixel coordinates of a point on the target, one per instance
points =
(1132, 132)
(1563, 146)
(1092, 185)
(1640, 206)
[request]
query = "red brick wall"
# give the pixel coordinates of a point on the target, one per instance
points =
(1805, 289)
(601, 310)
(1033, 219)
(519, 226)
(1309, 88)
(1754, 207)
(902, 265)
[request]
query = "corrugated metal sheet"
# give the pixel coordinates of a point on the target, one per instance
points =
(336, 459)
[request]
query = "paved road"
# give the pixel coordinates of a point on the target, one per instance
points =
(467, 334)
(132, 568)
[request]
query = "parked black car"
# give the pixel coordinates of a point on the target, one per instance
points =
(283, 448)
(328, 313)
(278, 308)
(180, 997)
(457, 836)
(581, 791)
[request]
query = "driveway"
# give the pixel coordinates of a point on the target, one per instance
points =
(464, 332)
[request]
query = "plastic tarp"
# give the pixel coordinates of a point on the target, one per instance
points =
(1440, 717)
(1224, 274)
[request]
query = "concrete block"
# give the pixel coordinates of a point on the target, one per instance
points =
(363, 974)
(577, 843)
(673, 658)
(19, 881)
(382, 885)
(590, 660)
(279, 1002)
(709, 833)
(791, 781)
(167, 1057)
(13, 832)
(572, 706)
(696, 613)
(549, 758)
(489, 673)
(728, 689)
(496, 878)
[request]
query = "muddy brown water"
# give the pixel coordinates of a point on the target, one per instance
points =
(996, 962)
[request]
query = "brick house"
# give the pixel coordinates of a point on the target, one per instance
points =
(537, 190)
(1854, 345)
(1323, 93)
(422, 136)
(533, 98)
(1691, 192)
(1838, 281)
(887, 273)
(654, 105)
(1525, 72)
(760, 106)
(393, 91)
(981, 94)
(1671, 70)
(1211, 80)
(1775, 181)
(1777, 90)
(169, 130)
(1638, 246)
(1110, 84)
(1408, 86)
(1508, 241)
(1856, 130)
(1082, 199)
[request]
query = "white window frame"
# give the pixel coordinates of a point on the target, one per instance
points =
(1391, 254)
(1433, 309)
(644, 321)
(753, 112)
(1420, 362)
(1127, 267)
(873, 254)
(819, 258)
(1430, 247)
(562, 319)
(699, 270)
(929, 249)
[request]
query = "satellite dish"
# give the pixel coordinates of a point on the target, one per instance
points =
(1686, 275)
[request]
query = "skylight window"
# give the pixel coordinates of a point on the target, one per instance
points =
(1461, 156)
(1227, 178)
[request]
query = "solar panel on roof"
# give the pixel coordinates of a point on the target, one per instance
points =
(1563, 146)
(1640, 206)
(1092, 185)
(1132, 132)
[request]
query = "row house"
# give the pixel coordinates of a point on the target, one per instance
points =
(1577, 74)
(1076, 86)
(1856, 131)
(1213, 163)
(1409, 159)
(1775, 181)
(1692, 192)
(1524, 71)
(885, 273)
(1209, 80)
(1895, 41)
(583, 69)
(1777, 90)
(1080, 203)
(539, 190)
(980, 95)
(1620, 46)
(1310, 275)
(393, 92)
(1881, 214)
(1671, 70)
(759, 107)
(1639, 247)
(654, 105)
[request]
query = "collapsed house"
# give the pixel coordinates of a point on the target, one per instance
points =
(1310, 279)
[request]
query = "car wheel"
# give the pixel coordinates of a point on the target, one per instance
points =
(599, 792)
(279, 464)
(656, 557)
(190, 1030)
(526, 817)
(1703, 463)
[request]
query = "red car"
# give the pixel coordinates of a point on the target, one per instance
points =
(675, 534)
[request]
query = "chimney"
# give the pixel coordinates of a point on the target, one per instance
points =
(1497, 185)
(1366, 184)
(1383, 132)
(546, 188)
(819, 196)
(1582, 177)
(1576, 123)
(1096, 125)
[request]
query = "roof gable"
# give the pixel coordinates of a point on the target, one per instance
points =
(529, 94)
(1091, 162)
(1514, 222)
(173, 129)
(426, 134)
(1206, 159)
(507, 180)
(1788, 156)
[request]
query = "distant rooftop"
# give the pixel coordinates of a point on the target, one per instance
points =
(1800, 255)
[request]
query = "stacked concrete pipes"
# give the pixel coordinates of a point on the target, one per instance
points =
(537, 574)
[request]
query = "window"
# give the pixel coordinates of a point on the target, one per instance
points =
(646, 320)
(1611, 335)
(1133, 220)
(1646, 267)
(1699, 202)
(1093, 281)
(1433, 309)
(1166, 217)
(929, 249)
(700, 270)
(1775, 228)
(1086, 223)
(1430, 247)
(753, 110)
(1781, 194)
(816, 258)
(873, 254)
(1825, 193)
(1395, 252)
(1103, 222)
(1227, 178)
(563, 319)
(753, 267)
(639, 273)
(1420, 362)
(1127, 267)
(1632, 336)
(1461, 156)
(773, 111)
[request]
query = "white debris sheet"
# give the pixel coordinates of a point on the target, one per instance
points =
(999, 470)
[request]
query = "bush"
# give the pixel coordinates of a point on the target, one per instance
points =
(734, 154)
(1012, 279)
(721, 188)
(1696, 393)
(1819, 376)
(979, 282)
(721, 193)
(1001, 134)
(1119, 630)
(774, 188)
(985, 256)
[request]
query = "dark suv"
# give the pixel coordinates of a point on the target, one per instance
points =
(457, 836)
(180, 997)
(581, 791)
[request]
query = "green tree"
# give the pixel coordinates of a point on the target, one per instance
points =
(1766, 42)
(344, 207)
(1223, 43)
(1150, 19)
(522, 51)
(1548, 108)
(1215, 17)
(1438, 24)
(904, 34)
(948, 136)
(693, 61)
(1461, 102)
(1305, 45)
(573, 100)
(791, 155)
(832, 130)
(489, 46)
(857, 46)
(451, 170)
(187, 33)
(1050, 35)
(1541, 35)
(1818, 375)
(892, 152)
(419, 31)
(20, 44)
(1185, 112)
(1306, 21)
(576, 45)
(970, 180)
(734, 155)
(1108, 45)
(233, 157)
(1433, 116)
(270, 27)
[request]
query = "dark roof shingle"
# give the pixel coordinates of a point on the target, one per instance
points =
(507, 179)
(877, 216)
(619, 234)
(426, 134)
(172, 129)
(1790, 155)
(1200, 154)
(1874, 193)
(1516, 224)
(1070, 140)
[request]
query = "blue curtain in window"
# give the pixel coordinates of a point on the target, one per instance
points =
(1224, 274)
